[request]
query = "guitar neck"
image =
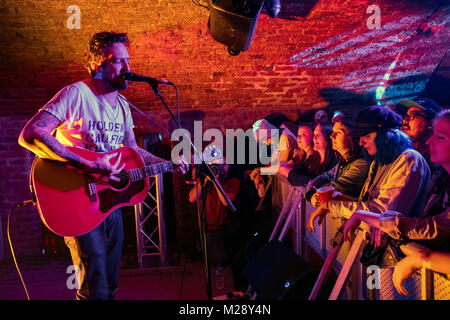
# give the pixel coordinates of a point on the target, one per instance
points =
(151, 170)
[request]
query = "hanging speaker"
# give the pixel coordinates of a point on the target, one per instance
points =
(275, 272)
(233, 22)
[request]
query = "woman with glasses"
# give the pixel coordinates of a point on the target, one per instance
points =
(417, 121)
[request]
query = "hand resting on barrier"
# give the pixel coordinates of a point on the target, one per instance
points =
(370, 218)
(352, 224)
(320, 213)
(322, 208)
(405, 268)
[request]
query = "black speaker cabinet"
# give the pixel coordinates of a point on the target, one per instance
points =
(233, 22)
(275, 272)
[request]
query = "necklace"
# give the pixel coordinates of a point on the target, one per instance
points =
(109, 109)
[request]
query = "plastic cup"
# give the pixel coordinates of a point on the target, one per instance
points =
(325, 193)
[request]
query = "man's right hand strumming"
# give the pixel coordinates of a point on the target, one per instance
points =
(108, 165)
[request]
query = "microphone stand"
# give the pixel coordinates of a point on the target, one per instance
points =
(212, 176)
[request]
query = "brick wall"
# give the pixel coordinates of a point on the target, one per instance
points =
(315, 54)
(15, 163)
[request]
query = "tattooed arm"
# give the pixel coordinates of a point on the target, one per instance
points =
(130, 141)
(37, 137)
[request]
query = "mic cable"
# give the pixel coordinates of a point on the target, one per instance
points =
(17, 205)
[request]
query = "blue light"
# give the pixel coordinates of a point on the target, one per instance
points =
(287, 284)
(256, 233)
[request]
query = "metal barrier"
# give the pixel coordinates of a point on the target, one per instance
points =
(424, 285)
(150, 225)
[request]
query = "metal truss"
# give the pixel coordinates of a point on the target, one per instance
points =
(150, 225)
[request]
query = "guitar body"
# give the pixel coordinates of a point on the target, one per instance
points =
(72, 203)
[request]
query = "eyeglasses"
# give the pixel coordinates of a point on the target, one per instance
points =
(413, 115)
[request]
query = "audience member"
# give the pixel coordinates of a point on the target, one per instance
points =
(321, 116)
(263, 130)
(216, 211)
(322, 160)
(283, 150)
(305, 159)
(398, 175)
(349, 175)
(418, 115)
(434, 224)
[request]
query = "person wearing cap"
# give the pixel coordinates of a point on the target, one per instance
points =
(398, 175)
(263, 132)
(418, 115)
(433, 229)
(283, 149)
(349, 175)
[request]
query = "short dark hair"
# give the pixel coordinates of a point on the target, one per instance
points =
(102, 40)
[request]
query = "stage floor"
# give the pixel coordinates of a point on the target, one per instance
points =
(49, 279)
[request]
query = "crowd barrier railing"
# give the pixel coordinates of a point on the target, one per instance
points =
(360, 282)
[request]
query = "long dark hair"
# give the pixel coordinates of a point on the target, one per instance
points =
(327, 130)
(356, 151)
(390, 144)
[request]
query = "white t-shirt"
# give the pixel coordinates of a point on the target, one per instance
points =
(89, 122)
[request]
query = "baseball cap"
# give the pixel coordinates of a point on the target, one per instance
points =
(374, 118)
(427, 105)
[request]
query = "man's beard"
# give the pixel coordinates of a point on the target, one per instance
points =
(118, 83)
(115, 84)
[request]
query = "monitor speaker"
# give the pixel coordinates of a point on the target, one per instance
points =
(233, 22)
(275, 272)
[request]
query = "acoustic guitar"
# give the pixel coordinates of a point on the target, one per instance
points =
(71, 202)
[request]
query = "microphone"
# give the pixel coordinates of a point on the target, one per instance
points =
(139, 78)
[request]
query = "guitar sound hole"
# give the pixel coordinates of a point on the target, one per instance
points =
(124, 178)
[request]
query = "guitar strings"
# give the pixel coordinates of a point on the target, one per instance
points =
(122, 175)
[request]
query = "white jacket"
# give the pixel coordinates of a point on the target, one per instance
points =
(399, 186)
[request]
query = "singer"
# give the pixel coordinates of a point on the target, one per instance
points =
(73, 114)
